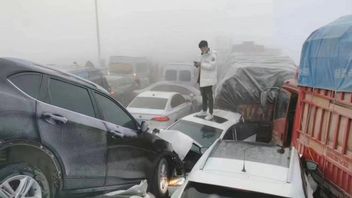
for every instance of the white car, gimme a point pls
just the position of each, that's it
(189, 92)
(198, 134)
(245, 169)
(159, 109)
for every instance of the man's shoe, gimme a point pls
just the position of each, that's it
(202, 113)
(209, 117)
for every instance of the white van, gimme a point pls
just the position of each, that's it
(184, 73)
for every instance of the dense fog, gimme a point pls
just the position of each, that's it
(63, 32)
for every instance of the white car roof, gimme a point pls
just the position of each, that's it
(266, 170)
(157, 94)
(231, 119)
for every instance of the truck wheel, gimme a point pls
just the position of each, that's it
(20, 180)
(159, 181)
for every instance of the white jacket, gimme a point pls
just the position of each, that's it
(208, 69)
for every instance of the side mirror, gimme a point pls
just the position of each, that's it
(311, 166)
(241, 120)
(203, 149)
(144, 127)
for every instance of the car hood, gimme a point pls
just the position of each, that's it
(181, 143)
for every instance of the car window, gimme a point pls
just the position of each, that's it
(71, 97)
(171, 75)
(282, 105)
(177, 100)
(114, 113)
(185, 76)
(203, 134)
(172, 88)
(148, 103)
(28, 83)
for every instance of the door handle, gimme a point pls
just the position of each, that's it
(116, 133)
(50, 117)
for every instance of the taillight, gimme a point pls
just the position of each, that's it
(161, 119)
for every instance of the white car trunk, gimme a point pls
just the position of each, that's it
(147, 115)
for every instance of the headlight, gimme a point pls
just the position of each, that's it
(177, 181)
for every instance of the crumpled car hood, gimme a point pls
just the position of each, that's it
(180, 142)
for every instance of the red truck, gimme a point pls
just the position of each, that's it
(312, 113)
(315, 115)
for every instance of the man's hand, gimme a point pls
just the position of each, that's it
(196, 64)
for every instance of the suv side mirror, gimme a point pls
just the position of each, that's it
(144, 127)
(311, 166)
(241, 120)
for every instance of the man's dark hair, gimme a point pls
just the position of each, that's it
(203, 43)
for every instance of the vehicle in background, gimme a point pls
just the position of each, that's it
(315, 115)
(159, 109)
(183, 73)
(244, 169)
(122, 88)
(139, 69)
(188, 92)
(89, 72)
(63, 135)
(251, 90)
(203, 133)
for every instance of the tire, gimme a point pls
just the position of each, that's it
(159, 179)
(14, 176)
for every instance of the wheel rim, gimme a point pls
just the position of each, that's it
(20, 186)
(163, 177)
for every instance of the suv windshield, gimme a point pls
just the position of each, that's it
(198, 190)
(203, 134)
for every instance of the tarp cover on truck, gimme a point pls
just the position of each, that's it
(326, 59)
(247, 85)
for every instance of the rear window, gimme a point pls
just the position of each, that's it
(148, 103)
(172, 88)
(171, 75)
(185, 76)
(199, 190)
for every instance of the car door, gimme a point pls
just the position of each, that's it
(67, 124)
(128, 154)
(179, 107)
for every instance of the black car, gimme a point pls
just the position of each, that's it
(62, 136)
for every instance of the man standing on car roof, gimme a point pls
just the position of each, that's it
(207, 78)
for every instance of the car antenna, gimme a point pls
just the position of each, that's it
(244, 161)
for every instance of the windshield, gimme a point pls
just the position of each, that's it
(204, 135)
(198, 190)
(171, 75)
(148, 103)
(185, 76)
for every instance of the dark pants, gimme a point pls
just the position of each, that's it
(207, 97)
